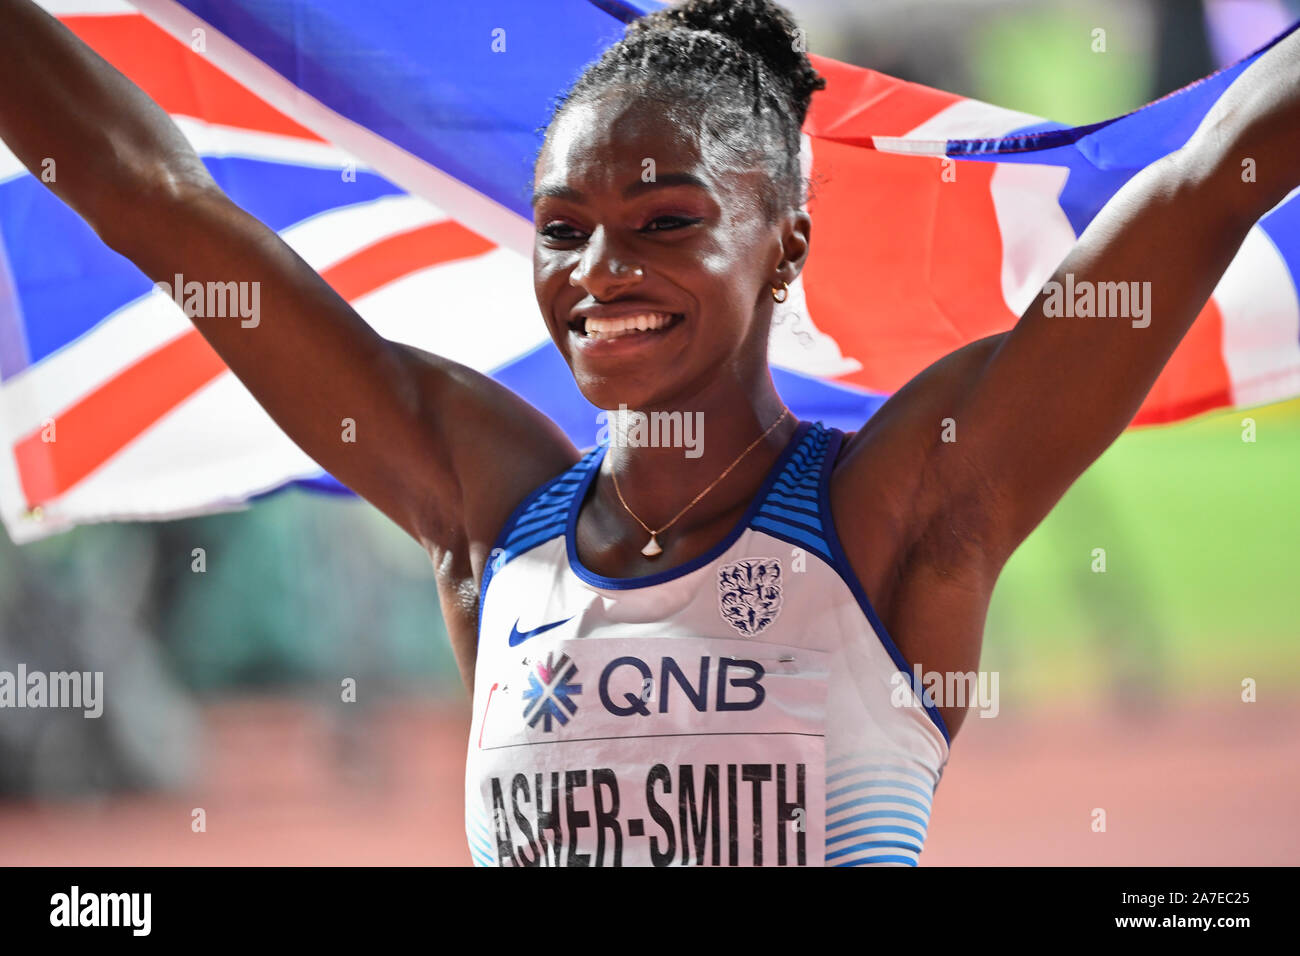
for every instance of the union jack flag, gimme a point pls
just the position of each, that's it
(391, 144)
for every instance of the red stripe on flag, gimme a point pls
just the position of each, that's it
(97, 427)
(106, 420)
(178, 79)
(884, 227)
(1196, 379)
(399, 255)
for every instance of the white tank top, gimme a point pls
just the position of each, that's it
(745, 708)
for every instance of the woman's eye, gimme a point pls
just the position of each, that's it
(665, 223)
(560, 231)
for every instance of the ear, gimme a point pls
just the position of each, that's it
(796, 236)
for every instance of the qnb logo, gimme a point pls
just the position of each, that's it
(550, 691)
(737, 686)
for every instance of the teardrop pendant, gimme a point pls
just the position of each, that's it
(652, 549)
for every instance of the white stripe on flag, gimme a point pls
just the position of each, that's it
(965, 119)
(336, 234)
(481, 312)
(1261, 323)
(211, 140)
(87, 8)
(971, 119)
(1036, 235)
(216, 140)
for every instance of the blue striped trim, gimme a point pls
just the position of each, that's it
(544, 515)
(792, 508)
(869, 787)
(876, 844)
(880, 815)
(801, 495)
(797, 481)
(863, 801)
(907, 860)
(538, 518)
(868, 831)
(802, 518)
(891, 784)
(479, 844)
(479, 856)
(798, 503)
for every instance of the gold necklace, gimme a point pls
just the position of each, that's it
(652, 549)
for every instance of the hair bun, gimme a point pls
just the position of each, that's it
(762, 28)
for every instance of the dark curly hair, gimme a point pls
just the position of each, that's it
(734, 71)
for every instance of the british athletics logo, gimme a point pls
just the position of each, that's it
(550, 692)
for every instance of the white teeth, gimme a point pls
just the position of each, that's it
(609, 328)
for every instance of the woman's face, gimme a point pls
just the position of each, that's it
(633, 223)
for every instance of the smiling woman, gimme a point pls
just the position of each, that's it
(704, 654)
(668, 187)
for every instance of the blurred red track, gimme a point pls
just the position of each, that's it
(282, 786)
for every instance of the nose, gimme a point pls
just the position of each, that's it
(603, 270)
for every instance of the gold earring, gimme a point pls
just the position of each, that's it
(779, 295)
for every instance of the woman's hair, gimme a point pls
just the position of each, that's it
(733, 71)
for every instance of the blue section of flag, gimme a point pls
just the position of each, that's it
(63, 275)
(68, 281)
(1282, 226)
(467, 87)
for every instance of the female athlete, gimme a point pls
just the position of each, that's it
(682, 658)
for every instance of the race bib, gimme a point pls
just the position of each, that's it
(655, 752)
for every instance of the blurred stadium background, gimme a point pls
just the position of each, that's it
(1119, 691)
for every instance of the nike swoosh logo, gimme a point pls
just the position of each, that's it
(517, 637)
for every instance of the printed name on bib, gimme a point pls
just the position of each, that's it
(719, 814)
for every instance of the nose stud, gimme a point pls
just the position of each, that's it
(636, 271)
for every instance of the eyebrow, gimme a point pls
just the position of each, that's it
(561, 191)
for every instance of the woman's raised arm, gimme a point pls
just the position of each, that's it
(429, 436)
(1059, 387)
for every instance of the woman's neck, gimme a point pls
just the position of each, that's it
(663, 457)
